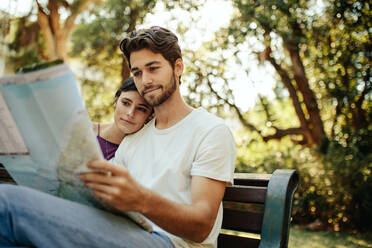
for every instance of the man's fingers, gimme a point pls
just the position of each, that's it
(107, 166)
(107, 189)
(103, 196)
(95, 177)
(104, 179)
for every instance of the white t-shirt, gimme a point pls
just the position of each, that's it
(165, 160)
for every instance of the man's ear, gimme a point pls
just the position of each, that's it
(178, 67)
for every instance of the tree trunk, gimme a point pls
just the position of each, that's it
(57, 33)
(315, 121)
(125, 71)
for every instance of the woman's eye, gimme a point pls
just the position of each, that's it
(125, 103)
(137, 73)
(142, 110)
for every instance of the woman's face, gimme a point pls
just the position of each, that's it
(131, 112)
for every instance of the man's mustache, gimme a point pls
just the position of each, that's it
(150, 88)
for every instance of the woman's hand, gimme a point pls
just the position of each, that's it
(115, 186)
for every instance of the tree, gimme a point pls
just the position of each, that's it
(55, 28)
(322, 61)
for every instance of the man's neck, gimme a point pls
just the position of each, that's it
(171, 111)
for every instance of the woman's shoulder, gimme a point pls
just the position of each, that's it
(95, 127)
(99, 127)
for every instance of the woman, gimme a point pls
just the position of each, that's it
(131, 113)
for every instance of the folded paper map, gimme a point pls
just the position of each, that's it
(46, 137)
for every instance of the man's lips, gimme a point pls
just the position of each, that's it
(148, 90)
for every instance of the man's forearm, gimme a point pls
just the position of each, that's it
(192, 222)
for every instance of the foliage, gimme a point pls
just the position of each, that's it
(334, 186)
(299, 238)
(333, 47)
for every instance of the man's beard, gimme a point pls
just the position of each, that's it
(169, 88)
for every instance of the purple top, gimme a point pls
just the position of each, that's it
(108, 148)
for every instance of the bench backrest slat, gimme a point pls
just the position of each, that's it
(4, 175)
(232, 241)
(258, 204)
(242, 220)
(247, 194)
(252, 179)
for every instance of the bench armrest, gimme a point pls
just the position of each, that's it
(278, 207)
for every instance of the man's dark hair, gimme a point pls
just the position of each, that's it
(156, 39)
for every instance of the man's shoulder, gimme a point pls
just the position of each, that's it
(207, 119)
(140, 133)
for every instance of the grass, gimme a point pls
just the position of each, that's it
(299, 238)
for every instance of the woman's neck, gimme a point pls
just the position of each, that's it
(111, 133)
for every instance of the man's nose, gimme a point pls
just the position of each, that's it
(146, 78)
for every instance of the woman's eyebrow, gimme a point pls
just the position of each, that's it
(127, 99)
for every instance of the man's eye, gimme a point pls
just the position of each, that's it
(153, 68)
(125, 103)
(137, 73)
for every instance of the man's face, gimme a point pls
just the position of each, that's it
(154, 76)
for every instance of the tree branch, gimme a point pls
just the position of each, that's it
(43, 20)
(280, 133)
(317, 129)
(76, 9)
(293, 94)
(233, 106)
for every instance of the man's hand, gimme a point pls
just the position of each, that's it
(115, 185)
(192, 221)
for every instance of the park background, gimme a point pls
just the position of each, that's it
(292, 78)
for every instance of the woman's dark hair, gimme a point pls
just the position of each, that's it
(157, 39)
(127, 85)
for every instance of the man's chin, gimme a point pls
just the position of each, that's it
(151, 100)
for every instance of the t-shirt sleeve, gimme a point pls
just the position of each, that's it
(119, 158)
(216, 156)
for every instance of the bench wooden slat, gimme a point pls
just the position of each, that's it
(4, 175)
(271, 192)
(252, 179)
(242, 220)
(226, 240)
(248, 194)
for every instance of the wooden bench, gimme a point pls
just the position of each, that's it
(257, 210)
(4, 176)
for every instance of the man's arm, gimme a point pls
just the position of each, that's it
(193, 221)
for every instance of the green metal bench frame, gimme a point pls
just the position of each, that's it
(263, 204)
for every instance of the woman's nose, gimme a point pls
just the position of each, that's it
(131, 111)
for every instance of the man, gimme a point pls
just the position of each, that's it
(174, 171)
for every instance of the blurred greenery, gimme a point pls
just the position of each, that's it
(299, 238)
(319, 122)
